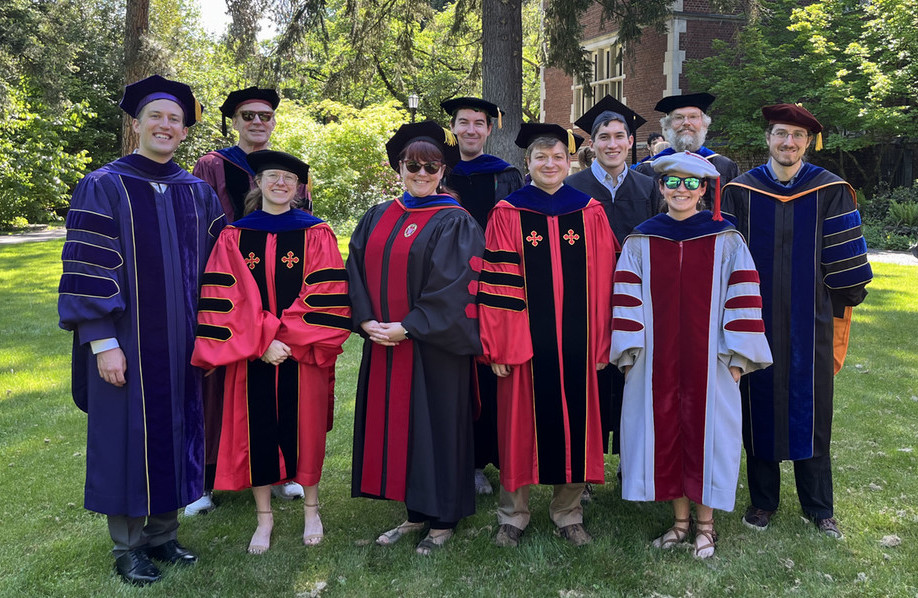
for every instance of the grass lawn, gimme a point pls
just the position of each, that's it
(51, 546)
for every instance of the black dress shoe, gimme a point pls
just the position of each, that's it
(172, 552)
(135, 567)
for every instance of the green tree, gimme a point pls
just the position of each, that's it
(37, 170)
(363, 53)
(848, 62)
(345, 149)
(180, 48)
(744, 74)
(59, 62)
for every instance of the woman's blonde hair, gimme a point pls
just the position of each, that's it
(253, 198)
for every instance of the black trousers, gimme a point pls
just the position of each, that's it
(418, 517)
(210, 475)
(813, 478)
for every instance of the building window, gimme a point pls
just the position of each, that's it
(608, 77)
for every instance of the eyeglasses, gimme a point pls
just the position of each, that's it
(797, 135)
(249, 115)
(431, 167)
(678, 119)
(673, 182)
(288, 178)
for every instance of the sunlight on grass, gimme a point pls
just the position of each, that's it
(53, 547)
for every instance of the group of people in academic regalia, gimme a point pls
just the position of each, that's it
(490, 311)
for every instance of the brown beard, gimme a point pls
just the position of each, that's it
(786, 163)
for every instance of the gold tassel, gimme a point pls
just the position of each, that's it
(818, 145)
(309, 182)
(449, 137)
(500, 122)
(571, 142)
(198, 110)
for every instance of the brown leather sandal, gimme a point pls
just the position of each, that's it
(674, 535)
(433, 541)
(710, 537)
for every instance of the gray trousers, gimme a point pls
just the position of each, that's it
(129, 533)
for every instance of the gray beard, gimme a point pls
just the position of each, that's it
(685, 142)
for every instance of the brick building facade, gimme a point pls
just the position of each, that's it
(653, 70)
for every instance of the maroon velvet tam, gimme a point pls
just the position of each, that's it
(792, 114)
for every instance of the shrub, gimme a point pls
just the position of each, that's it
(876, 208)
(874, 236)
(903, 214)
(890, 218)
(346, 156)
(896, 242)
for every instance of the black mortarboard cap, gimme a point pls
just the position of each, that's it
(702, 101)
(427, 130)
(529, 132)
(608, 109)
(454, 105)
(140, 93)
(271, 160)
(241, 96)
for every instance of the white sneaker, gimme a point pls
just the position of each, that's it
(287, 491)
(203, 505)
(482, 485)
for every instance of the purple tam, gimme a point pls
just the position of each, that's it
(140, 93)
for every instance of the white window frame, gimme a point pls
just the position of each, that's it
(600, 52)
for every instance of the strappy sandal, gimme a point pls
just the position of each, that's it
(674, 535)
(710, 537)
(257, 546)
(433, 542)
(395, 534)
(313, 539)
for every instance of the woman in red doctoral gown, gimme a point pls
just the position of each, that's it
(274, 310)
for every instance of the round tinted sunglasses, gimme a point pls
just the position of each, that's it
(431, 167)
(673, 182)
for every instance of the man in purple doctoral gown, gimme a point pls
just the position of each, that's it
(139, 232)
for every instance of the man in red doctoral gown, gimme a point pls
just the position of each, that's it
(544, 311)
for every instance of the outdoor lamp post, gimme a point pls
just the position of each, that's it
(413, 104)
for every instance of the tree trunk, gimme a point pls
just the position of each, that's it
(136, 28)
(502, 72)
